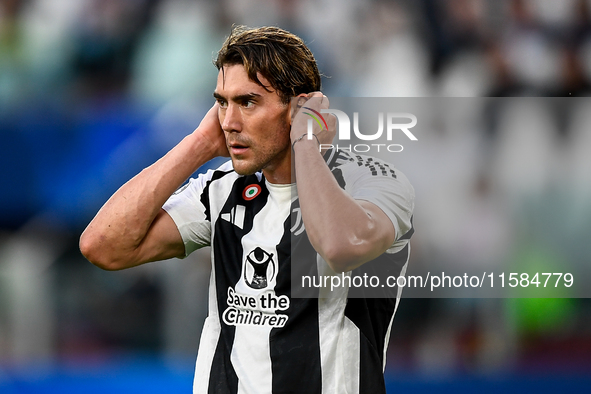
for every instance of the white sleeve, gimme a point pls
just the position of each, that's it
(391, 191)
(188, 211)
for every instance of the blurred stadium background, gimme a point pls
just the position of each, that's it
(92, 91)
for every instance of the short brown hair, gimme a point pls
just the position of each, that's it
(280, 56)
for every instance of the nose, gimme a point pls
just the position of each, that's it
(232, 119)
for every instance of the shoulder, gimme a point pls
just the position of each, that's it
(203, 180)
(355, 167)
(208, 191)
(224, 170)
(376, 180)
(219, 183)
(349, 160)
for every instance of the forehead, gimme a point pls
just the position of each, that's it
(233, 81)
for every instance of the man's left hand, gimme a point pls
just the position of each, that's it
(309, 106)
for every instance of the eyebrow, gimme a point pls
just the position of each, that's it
(239, 98)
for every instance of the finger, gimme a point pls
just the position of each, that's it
(296, 104)
(316, 100)
(331, 119)
(317, 96)
(320, 99)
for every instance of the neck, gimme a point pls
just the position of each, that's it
(282, 173)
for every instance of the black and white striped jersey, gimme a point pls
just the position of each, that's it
(260, 336)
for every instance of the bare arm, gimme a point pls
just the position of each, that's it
(132, 228)
(345, 232)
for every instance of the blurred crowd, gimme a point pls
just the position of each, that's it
(160, 49)
(91, 91)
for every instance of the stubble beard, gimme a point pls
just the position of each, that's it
(265, 159)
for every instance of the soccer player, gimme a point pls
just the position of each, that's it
(355, 218)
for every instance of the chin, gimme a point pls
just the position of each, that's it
(244, 168)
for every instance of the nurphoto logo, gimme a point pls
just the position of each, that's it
(395, 123)
(316, 119)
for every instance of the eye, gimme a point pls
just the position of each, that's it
(248, 104)
(222, 103)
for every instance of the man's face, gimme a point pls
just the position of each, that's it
(256, 125)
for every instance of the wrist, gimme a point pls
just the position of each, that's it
(197, 150)
(201, 142)
(305, 139)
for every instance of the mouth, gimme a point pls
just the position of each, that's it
(237, 148)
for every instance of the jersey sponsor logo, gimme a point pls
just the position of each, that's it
(259, 269)
(255, 310)
(251, 191)
(235, 216)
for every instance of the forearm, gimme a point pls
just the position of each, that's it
(122, 223)
(339, 227)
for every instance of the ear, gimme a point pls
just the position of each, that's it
(296, 103)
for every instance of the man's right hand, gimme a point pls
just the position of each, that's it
(211, 133)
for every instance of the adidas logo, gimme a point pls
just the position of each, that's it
(235, 216)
